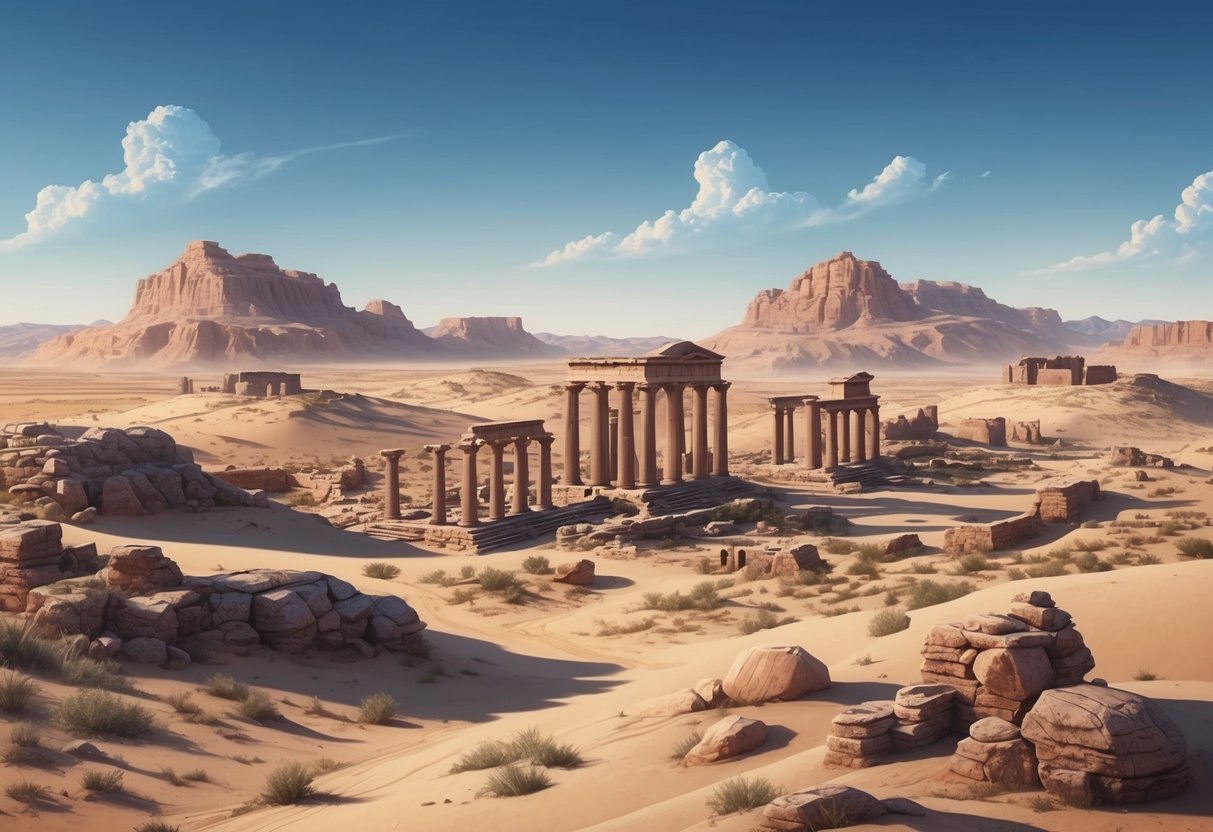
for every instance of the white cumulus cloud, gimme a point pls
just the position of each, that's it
(734, 200)
(172, 153)
(1159, 236)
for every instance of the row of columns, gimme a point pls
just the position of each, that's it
(618, 451)
(834, 434)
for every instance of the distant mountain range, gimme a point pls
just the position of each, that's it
(20, 339)
(1106, 330)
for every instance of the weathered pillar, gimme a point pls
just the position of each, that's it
(545, 470)
(599, 440)
(874, 433)
(497, 480)
(572, 433)
(469, 502)
(625, 464)
(831, 439)
(673, 434)
(812, 449)
(522, 476)
(777, 437)
(438, 510)
(720, 441)
(699, 432)
(859, 418)
(613, 443)
(648, 435)
(391, 483)
(844, 435)
(789, 436)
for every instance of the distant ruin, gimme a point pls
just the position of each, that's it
(849, 431)
(1058, 371)
(262, 384)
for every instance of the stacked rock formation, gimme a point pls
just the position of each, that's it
(865, 734)
(994, 752)
(1098, 745)
(31, 555)
(999, 664)
(288, 610)
(128, 472)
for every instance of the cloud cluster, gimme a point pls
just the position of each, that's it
(734, 200)
(171, 154)
(1158, 236)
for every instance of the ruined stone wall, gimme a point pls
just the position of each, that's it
(1100, 374)
(962, 540)
(271, 480)
(986, 431)
(1064, 504)
(1055, 378)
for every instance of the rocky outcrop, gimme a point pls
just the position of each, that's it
(730, 737)
(830, 807)
(1100, 745)
(211, 306)
(577, 573)
(769, 674)
(1180, 334)
(846, 311)
(490, 337)
(865, 734)
(994, 752)
(1128, 457)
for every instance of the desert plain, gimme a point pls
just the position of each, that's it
(583, 664)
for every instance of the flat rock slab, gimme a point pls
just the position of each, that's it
(993, 729)
(993, 624)
(822, 807)
(728, 738)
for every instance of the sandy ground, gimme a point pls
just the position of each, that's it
(497, 668)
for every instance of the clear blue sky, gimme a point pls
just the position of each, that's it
(1035, 133)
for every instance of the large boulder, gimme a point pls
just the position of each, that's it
(577, 573)
(1099, 745)
(284, 620)
(766, 674)
(728, 738)
(137, 568)
(1017, 674)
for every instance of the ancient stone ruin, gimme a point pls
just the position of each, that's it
(149, 612)
(1061, 370)
(128, 472)
(922, 426)
(262, 384)
(842, 429)
(185, 386)
(1053, 504)
(1129, 457)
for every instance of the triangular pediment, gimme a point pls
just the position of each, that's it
(686, 351)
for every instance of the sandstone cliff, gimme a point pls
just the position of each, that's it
(490, 337)
(846, 311)
(210, 306)
(1189, 342)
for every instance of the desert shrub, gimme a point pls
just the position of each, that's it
(888, 621)
(703, 596)
(377, 709)
(752, 572)
(514, 780)
(923, 567)
(537, 565)
(438, 576)
(704, 566)
(1090, 562)
(289, 783)
(834, 546)
(496, 580)
(515, 594)
(20, 649)
(182, 701)
(1016, 575)
(378, 569)
(26, 792)
(467, 572)
(1144, 675)
(1048, 569)
(196, 775)
(258, 707)
(84, 672)
(25, 735)
(969, 564)
(871, 553)
(96, 780)
(864, 568)
(94, 711)
(16, 692)
(643, 624)
(763, 620)
(485, 755)
(225, 687)
(544, 751)
(930, 593)
(1147, 559)
(1092, 544)
(749, 512)
(1041, 803)
(157, 826)
(864, 660)
(680, 749)
(462, 595)
(739, 794)
(1195, 547)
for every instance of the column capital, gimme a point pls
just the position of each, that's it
(598, 386)
(546, 440)
(675, 386)
(520, 441)
(392, 453)
(810, 400)
(625, 385)
(497, 445)
(575, 386)
(435, 449)
(720, 385)
(470, 445)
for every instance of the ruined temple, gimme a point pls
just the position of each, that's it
(1058, 371)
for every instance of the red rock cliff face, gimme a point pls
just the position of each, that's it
(833, 295)
(1195, 334)
(491, 336)
(211, 307)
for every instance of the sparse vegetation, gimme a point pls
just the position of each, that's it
(528, 745)
(182, 701)
(16, 692)
(513, 780)
(685, 744)
(739, 794)
(97, 780)
(834, 546)
(929, 593)
(225, 687)
(377, 709)
(92, 711)
(384, 571)
(703, 596)
(888, 621)
(289, 783)
(1041, 803)
(537, 565)
(763, 620)
(970, 564)
(258, 707)
(1048, 569)
(1195, 547)
(496, 580)
(605, 629)
(26, 792)
(1145, 675)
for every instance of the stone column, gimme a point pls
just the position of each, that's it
(572, 433)
(831, 439)
(777, 437)
(469, 501)
(699, 432)
(874, 433)
(391, 483)
(497, 480)
(599, 440)
(673, 434)
(812, 447)
(613, 444)
(626, 460)
(545, 470)
(720, 439)
(522, 476)
(648, 435)
(438, 510)
(859, 418)
(844, 435)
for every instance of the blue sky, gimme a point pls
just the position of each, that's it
(1009, 147)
